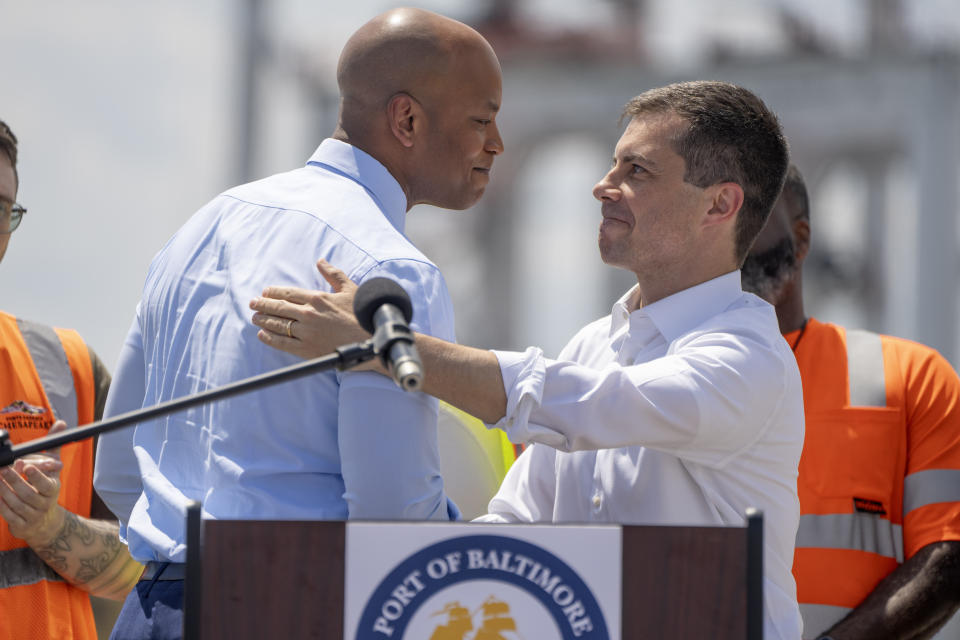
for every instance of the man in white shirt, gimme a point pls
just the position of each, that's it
(419, 97)
(684, 405)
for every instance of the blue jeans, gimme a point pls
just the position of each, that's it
(152, 611)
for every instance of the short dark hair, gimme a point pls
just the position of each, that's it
(8, 145)
(731, 137)
(794, 194)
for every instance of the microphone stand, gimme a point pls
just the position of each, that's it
(343, 358)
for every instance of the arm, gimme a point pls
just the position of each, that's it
(465, 377)
(387, 438)
(911, 603)
(389, 457)
(468, 378)
(385, 428)
(687, 401)
(85, 552)
(116, 475)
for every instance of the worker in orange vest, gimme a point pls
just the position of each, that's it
(878, 548)
(54, 549)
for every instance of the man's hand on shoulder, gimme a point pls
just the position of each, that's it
(309, 324)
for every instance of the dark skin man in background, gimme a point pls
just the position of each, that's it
(878, 548)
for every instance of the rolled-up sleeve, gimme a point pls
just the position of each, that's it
(692, 402)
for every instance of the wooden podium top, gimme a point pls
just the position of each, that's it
(285, 579)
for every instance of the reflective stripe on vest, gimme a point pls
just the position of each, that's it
(50, 361)
(868, 385)
(22, 566)
(857, 531)
(817, 618)
(929, 487)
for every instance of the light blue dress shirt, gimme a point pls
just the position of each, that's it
(330, 446)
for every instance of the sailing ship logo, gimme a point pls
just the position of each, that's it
(482, 587)
(496, 623)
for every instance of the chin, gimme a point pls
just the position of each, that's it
(470, 200)
(607, 255)
(610, 249)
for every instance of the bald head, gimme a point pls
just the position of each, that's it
(420, 93)
(403, 50)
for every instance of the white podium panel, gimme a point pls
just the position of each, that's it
(465, 581)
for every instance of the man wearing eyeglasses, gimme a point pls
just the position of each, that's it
(58, 541)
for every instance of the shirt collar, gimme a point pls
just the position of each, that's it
(368, 172)
(677, 314)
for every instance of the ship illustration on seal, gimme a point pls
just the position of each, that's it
(495, 622)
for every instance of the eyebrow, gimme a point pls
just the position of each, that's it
(634, 157)
(493, 106)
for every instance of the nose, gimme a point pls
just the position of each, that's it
(494, 143)
(605, 189)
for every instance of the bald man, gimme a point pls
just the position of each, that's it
(419, 99)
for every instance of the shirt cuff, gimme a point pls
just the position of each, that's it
(523, 376)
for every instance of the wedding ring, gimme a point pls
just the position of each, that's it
(290, 327)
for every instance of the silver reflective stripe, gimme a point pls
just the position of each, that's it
(20, 567)
(857, 531)
(817, 618)
(50, 360)
(868, 386)
(929, 487)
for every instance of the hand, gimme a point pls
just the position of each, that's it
(307, 323)
(29, 489)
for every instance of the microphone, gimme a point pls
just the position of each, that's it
(383, 308)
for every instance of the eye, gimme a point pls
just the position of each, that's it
(636, 169)
(483, 122)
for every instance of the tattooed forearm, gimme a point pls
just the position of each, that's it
(56, 552)
(88, 553)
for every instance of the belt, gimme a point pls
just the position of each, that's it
(164, 571)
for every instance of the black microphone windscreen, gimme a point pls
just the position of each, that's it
(374, 293)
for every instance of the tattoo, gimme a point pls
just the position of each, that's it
(92, 567)
(91, 549)
(54, 553)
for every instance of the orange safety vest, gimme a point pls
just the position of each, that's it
(880, 471)
(44, 373)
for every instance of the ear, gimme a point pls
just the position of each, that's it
(801, 238)
(403, 115)
(726, 198)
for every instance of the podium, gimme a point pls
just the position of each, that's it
(285, 579)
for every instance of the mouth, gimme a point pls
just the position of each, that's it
(482, 170)
(610, 219)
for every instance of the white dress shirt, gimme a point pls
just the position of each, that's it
(685, 412)
(330, 446)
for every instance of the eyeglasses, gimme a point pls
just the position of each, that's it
(10, 216)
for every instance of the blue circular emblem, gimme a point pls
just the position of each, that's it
(482, 557)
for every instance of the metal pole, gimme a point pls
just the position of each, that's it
(191, 585)
(754, 574)
(342, 358)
